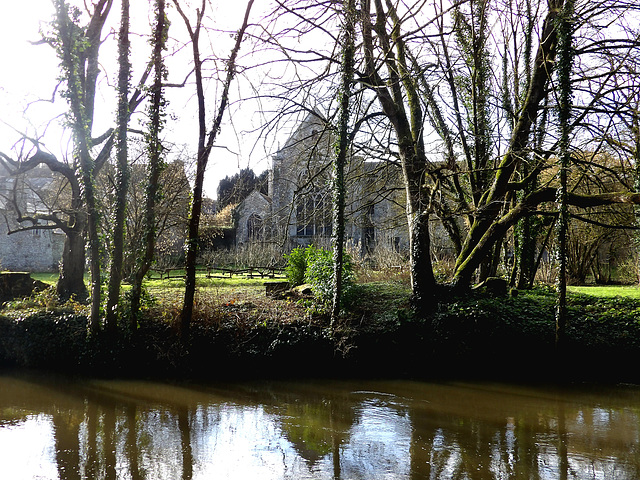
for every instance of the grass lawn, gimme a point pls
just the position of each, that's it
(156, 284)
(225, 289)
(216, 298)
(608, 291)
(46, 277)
(245, 295)
(239, 285)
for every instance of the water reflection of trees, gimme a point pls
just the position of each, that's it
(316, 423)
(443, 432)
(66, 426)
(552, 442)
(316, 430)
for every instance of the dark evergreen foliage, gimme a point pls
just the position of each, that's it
(235, 188)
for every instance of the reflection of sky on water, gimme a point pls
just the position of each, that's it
(241, 442)
(379, 443)
(27, 449)
(301, 434)
(246, 442)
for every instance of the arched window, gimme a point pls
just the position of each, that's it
(313, 214)
(255, 227)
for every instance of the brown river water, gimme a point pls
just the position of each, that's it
(58, 428)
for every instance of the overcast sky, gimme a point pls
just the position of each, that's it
(28, 75)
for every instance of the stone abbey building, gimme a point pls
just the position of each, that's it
(297, 209)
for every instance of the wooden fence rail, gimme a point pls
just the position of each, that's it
(220, 272)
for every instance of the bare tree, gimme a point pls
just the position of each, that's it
(78, 48)
(205, 144)
(170, 214)
(384, 47)
(479, 77)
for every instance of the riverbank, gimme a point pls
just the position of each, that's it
(506, 337)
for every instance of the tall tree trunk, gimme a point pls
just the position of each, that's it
(93, 219)
(526, 232)
(635, 131)
(122, 183)
(408, 127)
(205, 144)
(565, 61)
(71, 282)
(79, 55)
(154, 148)
(348, 52)
(423, 282)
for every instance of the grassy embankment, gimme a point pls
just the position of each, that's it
(237, 328)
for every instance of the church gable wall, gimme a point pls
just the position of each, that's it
(253, 218)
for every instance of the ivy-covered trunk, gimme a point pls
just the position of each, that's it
(122, 181)
(564, 68)
(154, 149)
(93, 217)
(486, 228)
(78, 51)
(635, 130)
(423, 283)
(348, 52)
(400, 89)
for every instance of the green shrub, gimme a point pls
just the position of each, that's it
(319, 274)
(297, 265)
(314, 266)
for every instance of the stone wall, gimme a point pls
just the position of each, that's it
(30, 251)
(38, 250)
